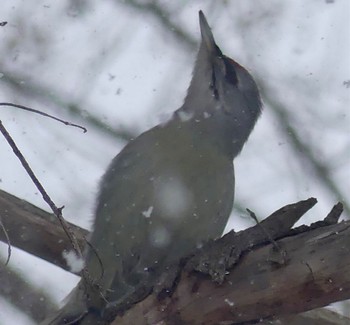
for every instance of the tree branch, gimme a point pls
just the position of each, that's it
(30, 300)
(35, 230)
(317, 273)
(252, 280)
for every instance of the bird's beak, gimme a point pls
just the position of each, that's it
(207, 36)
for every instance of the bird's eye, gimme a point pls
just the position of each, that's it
(230, 74)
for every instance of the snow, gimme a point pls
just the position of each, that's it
(147, 213)
(75, 263)
(185, 116)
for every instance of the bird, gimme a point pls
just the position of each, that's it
(170, 189)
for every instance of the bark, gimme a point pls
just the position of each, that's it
(35, 230)
(316, 274)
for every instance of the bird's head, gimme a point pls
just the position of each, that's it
(221, 89)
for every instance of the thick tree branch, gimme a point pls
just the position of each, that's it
(310, 270)
(317, 273)
(35, 230)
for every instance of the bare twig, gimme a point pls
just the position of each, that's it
(57, 211)
(272, 241)
(98, 258)
(43, 114)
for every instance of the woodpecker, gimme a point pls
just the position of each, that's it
(170, 189)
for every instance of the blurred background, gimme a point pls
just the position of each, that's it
(121, 67)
